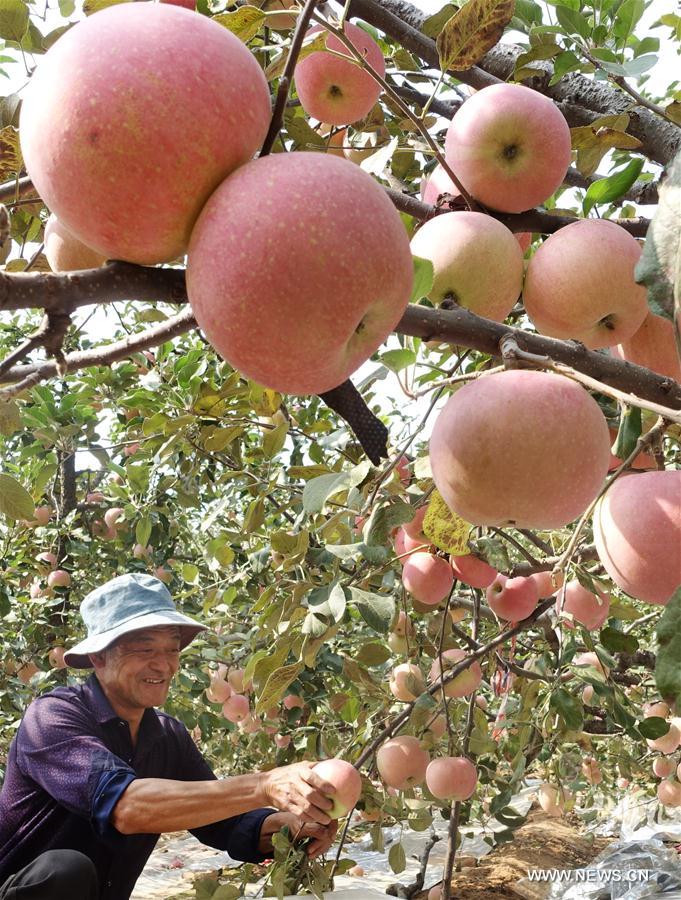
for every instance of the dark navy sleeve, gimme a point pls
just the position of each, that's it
(238, 835)
(59, 751)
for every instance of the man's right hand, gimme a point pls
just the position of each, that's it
(297, 789)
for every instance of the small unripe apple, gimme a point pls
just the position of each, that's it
(65, 253)
(347, 783)
(235, 708)
(111, 516)
(58, 578)
(36, 591)
(397, 643)
(250, 724)
(141, 552)
(94, 497)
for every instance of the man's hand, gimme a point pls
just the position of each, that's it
(322, 835)
(296, 789)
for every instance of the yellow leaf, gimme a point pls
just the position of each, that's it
(277, 66)
(472, 31)
(11, 161)
(276, 686)
(444, 528)
(244, 22)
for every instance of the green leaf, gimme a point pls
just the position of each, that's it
(617, 642)
(318, 491)
(15, 500)
(143, 530)
(627, 16)
(606, 190)
(628, 433)
(277, 66)
(668, 663)
(434, 24)
(385, 517)
(377, 610)
(244, 22)
(92, 6)
(423, 278)
(659, 267)
(396, 360)
(13, 19)
(10, 418)
(397, 859)
(640, 64)
(373, 654)
(568, 707)
(573, 21)
(653, 727)
(276, 686)
(471, 32)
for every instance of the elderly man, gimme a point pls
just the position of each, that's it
(95, 773)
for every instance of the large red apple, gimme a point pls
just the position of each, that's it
(477, 263)
(580, 285)
(509, 146)
(126, 129)
(428, 578)
(451, 778)
(512, 599)
(406, 682)
(401, 762)
(65, 253)
(339, 91)
(652, 346)
(520, 447)
(637, 532)
(347, 782)
(587, 608)
(299, 267)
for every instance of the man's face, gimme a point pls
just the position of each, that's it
(138, 668)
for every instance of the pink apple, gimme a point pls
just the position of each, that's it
(547, 583)
(464, 683)
(330, 220)
(637, 532)
(663, 766)
(47, 559)
(401, 762)
(472, 570)
(451, 778)
(111, 516)
(148, 139)
(668, 743)
(669, 793)
(591, 659)
(235, 708)
(652, 346)
(512, 599)
(335, 90)
(477, 263)
(436, 184)
(552, 799)
(414, 528)
(347, 782)
(659, 709)
(580, 285)
(282, 740)
(356, 871)
(546, 450)
(509, 146)
(56, 658)
(291, 701)
(58, 578)
(65, 253)
(218, 691)
(428, 578)
(406, 682)
(587, 608)
(587, 694)
(592, 771)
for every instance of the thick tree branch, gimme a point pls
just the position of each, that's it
(581, 99)
(532, 220)
(464, 328)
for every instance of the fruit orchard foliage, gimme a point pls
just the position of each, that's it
(270, 525)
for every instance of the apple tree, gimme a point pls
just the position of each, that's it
(381, 376)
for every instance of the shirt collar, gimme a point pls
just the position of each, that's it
(98, 702)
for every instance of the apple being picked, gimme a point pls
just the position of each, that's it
(509, 146)
(580, 285)
(347, 782)
(477, 263)
(322, 262)
(336, 90)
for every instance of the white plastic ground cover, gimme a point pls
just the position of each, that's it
(638, 817)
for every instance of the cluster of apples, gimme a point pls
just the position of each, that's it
(403, 763)
(301, 253)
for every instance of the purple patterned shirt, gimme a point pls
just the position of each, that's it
(68, 765)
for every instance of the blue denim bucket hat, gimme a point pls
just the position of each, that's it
(127, 603)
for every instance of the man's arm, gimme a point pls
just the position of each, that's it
(157, 805)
